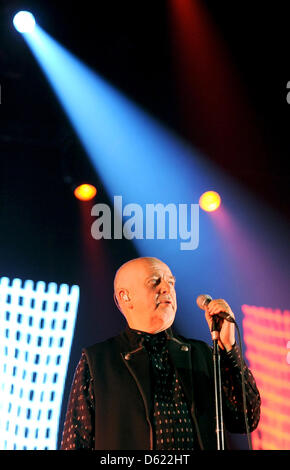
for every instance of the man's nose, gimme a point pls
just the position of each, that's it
(164, 286)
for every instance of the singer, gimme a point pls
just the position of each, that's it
(148, 388)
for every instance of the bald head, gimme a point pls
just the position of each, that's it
(144, 292)
(127, 271)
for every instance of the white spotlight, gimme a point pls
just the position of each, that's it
(24, 22)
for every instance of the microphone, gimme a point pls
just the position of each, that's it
(204, 299)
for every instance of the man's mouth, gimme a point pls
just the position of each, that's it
(164, 301)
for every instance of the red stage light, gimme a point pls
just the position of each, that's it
(210, 201)
(85, 192)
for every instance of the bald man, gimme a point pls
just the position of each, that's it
(144, 292)
(149, 389)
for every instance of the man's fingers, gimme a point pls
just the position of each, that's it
(215, 310)
(217, 306)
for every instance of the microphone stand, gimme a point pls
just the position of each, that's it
(217, 387)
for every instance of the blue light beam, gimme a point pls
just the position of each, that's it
(134, 154)
(140, 160)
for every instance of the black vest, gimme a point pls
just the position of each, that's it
(119, 367)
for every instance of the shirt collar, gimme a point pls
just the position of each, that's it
(136, 337)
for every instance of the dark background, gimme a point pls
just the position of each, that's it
(129, 44)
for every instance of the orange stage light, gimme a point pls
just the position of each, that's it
(85, 192)
(210, 201)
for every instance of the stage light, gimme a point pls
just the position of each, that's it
(136, 157)
(210, 201)
(85, 192)
(24, 22)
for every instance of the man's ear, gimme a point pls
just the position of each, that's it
(123, 295)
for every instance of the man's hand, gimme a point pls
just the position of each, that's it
(226, 328)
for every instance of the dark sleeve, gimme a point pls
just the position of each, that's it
(232, 393)
(78, 432)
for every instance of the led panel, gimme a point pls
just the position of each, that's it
(37, 322)
(267, 335)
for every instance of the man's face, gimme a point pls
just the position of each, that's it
(151, 288)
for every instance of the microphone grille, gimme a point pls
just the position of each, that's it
(202, 300)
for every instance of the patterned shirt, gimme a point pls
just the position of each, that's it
(78, 430)
(171, 417)
(170, 406)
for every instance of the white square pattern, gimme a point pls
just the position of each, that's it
(37, 323)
